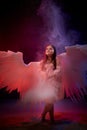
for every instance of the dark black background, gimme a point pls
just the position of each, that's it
(17, 9)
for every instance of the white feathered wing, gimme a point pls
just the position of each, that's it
(74, 71)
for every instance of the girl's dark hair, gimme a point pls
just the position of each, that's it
(53, 58)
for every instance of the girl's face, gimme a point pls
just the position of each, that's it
(49, 50)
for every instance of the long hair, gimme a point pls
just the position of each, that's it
(53, 58)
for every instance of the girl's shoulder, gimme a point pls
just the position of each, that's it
(57, 60)
(41, 62)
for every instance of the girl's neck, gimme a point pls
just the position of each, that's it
(49, 59)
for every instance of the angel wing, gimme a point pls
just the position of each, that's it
(14, 73)
(74, 71)
(32, 83)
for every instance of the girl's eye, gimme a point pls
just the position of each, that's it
(49, 48)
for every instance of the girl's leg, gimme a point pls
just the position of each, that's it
(51, 112)
(49, 107)
(46, 109)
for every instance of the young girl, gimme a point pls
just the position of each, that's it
(50, 66)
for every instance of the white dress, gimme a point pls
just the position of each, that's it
(49, 85)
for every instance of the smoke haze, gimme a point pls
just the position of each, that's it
(55, 29)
